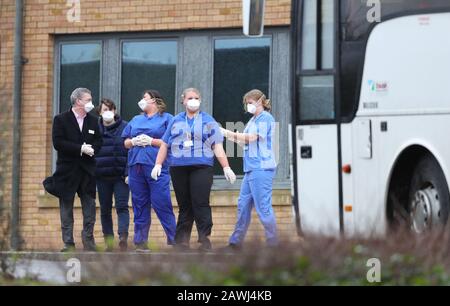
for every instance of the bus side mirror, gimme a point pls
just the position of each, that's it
(253, 17)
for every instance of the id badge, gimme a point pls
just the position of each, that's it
(188, 143)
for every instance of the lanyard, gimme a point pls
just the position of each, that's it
(191, 129)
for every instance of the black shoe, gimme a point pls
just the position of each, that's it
(181, 247)
(205, 246)
(142, 248)
(90, 246)
(68, 248)
(123, 243)
(88, 242)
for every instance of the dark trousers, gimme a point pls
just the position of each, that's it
(106, 188)
(66, 213)
(192, 185)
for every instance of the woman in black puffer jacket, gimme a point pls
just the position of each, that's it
(111, 175)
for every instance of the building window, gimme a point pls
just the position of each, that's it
(147, 65)
(239, 65)
(80, 67)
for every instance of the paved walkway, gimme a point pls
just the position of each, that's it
(54, 267)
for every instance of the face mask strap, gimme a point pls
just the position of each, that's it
(260, 100)
(80, 103)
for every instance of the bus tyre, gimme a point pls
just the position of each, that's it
(428, 196)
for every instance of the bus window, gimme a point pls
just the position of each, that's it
(316, 82)
(352, 56)
(327, 27)
(317, 96)
(309, 40)
(318, 48)
(354, 13)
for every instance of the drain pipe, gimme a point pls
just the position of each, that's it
(16, 240)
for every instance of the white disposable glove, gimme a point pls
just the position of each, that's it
(87, 149)
(229, 175)
(156, 172)
(136, 141)
(224, 132)
(126, 180)
(146, 140)
(141, 141)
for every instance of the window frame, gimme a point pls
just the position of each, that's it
(57, 51)
(143, 39)
(229, 37)
(282, 179)
(57, 71)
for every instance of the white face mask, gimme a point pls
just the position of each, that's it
(108, 116)
(193, 104)
(142, 104)
(251, 108)
(88, 107)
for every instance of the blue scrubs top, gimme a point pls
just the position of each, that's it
(191, 141)
(154, 126)
(260, 155)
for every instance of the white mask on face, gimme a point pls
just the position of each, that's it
(142, 104)
(193, 105)
(108, 116)
(251, 108)
(88, 107)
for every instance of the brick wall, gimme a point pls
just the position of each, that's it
(40, 225)
(223, 203)
(6, 84)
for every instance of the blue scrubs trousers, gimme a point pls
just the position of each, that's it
(146, 193)
(256, 190)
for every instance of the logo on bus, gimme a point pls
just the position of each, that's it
(378, 86)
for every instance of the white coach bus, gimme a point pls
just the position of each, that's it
(371, 115)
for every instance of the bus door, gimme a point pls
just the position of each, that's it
(317, 130)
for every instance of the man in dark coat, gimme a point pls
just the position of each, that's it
(76, 138)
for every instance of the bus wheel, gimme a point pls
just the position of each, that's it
(428, 196)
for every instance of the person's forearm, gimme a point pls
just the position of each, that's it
(157, 143)
(231, 138)
(162, 153)
(241, 137)
(67, 147)
(219, 152)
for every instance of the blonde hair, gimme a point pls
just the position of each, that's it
(183, 95)
(258, 95)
